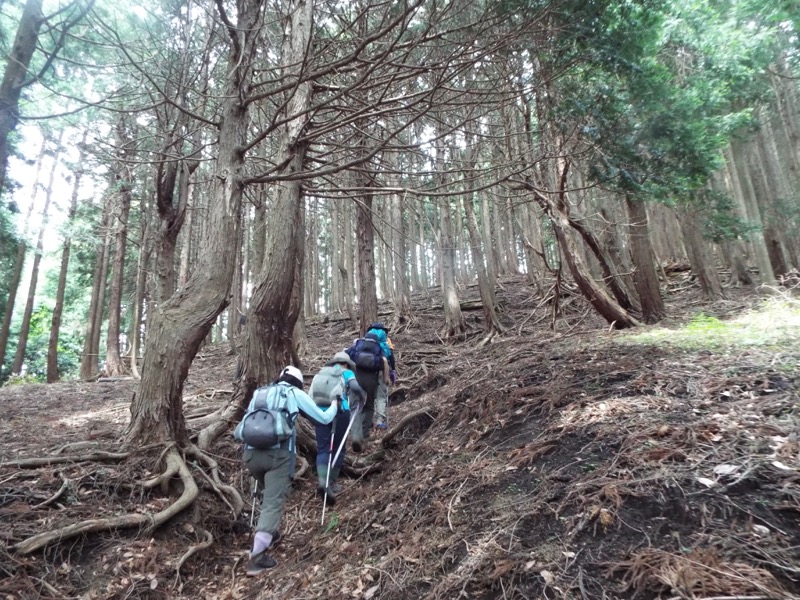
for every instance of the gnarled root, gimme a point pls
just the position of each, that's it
(424, 414)
(174, 462)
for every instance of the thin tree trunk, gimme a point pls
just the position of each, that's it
(58, 309)
(89, 360)
(454, 324)
(24, 330)
(19, 263)
(124, 185)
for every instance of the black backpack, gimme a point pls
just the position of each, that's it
(367, 354)
(269, 422)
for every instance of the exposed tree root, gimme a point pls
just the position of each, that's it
(227, 493)
(64, 487)
(424, 413)
(149, 522)
(208, 539)
(29, 463)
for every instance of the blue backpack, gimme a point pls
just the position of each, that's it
(367, 353)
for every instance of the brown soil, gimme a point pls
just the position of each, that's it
(545, 464)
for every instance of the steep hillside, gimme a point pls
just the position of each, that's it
(568, 463)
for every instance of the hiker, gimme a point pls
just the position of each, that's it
(335, 380)
(382, 395)
(271, 466)
(372, 366)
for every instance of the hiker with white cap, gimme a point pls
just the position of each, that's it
(268, 431)
(335, 380)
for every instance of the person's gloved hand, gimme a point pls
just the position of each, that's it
(344, 405)
(393, 376)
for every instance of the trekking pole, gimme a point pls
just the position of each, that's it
(353, 415)
(253, 506)
(328, 472)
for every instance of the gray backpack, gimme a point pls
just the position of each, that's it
(324, 383)
(268, 422)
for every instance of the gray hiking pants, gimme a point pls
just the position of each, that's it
(362, 422)
(382, 403)
(271, 469)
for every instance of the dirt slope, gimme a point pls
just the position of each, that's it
(574, 463)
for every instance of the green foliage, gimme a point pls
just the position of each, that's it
(8, 254)
(720, 221)
(776, 322)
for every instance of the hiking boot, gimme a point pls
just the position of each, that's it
(260, 562)
(276, 538)
(380, 425)
(358, 446)
(336, 488)
(331, 498)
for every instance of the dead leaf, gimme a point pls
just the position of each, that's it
(548, 577)
(723, 470)
(707, 482)
(371, 592)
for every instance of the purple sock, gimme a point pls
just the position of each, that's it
(262, 541)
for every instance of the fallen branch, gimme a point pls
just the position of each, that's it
(126, 521)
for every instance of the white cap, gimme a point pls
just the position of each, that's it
(293, 372)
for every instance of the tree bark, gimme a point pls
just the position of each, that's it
(645, 277)
(14, 77)
(454, 324)
(749, 206)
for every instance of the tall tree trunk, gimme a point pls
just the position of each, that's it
(645, 277)
(749, 205)
(24, 330)
(89, 359)
(180, 323)
(14, 77)
(124, 185)
(454, 324)
(145, 251)
(58, 309)
(402, 300)
(700, 258)
(367, 296)
(491, 321)
(277, 296)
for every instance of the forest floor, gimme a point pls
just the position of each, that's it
(568, 463)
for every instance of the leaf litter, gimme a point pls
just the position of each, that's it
(558, 464)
